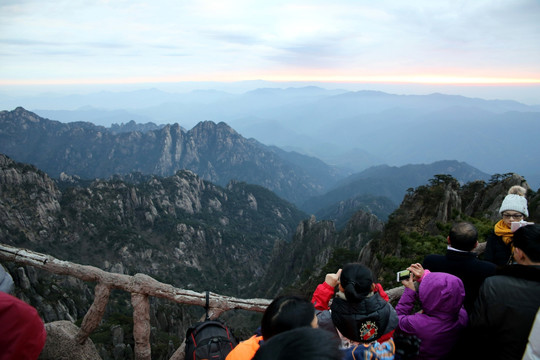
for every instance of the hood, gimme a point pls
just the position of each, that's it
(363, 321)
(441, 293)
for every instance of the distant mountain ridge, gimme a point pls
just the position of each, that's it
(133, 126)
(391, 182)
(215, 152)
(330, 124)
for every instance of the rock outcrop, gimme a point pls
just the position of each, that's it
(61, 343)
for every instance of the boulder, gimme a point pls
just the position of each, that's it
(61, 343)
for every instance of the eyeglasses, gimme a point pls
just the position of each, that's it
(515, 216)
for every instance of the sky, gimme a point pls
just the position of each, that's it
(481, 46)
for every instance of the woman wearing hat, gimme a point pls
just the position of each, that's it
(499, 247)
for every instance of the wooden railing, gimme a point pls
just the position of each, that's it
(140, 286)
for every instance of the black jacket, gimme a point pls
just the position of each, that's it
(505, 310)
(464, 265)
(497, 251)
(353, 319)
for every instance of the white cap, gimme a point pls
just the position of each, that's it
(515, 202)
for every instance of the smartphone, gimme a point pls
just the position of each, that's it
(514, 225)
(402, 275)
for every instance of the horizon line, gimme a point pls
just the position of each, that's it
(414, 79)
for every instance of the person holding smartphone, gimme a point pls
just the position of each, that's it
(358, 315)
(442, 318)
(499, 246)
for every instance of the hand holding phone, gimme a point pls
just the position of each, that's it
(403, 275)
(417, 271)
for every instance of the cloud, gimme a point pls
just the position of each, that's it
(232, 37)
(27, 42)
(257, 38)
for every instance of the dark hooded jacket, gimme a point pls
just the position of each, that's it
(363, 321)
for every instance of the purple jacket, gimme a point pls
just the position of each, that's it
(439, 325)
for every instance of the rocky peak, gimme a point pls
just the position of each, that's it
(36, 199)
(22, 115)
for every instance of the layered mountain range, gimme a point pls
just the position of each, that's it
(206, 208)
(352, 129)
(213, 151)
(239, 240)
(217, 153)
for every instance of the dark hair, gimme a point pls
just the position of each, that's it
(527, 238)
(356, 280)
(303, 343)
(463, 236)
(286, 313)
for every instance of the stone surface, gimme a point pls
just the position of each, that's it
(61, 344)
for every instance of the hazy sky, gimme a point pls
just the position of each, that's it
(493, 42)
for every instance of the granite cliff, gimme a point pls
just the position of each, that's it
(179, 229)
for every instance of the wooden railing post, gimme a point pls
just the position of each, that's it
(141, 326)
(94, 315)
(180, 353)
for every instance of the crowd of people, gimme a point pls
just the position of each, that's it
(454, 306)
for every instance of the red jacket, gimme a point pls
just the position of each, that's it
(22, 333)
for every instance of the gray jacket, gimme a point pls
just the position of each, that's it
(6, 281)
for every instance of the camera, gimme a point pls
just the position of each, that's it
(402, 275)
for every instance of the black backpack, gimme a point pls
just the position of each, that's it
(209, 339)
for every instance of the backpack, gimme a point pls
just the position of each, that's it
(209, 339)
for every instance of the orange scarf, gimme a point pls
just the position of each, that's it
(503, 230)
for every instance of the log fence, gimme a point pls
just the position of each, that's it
(140, 286)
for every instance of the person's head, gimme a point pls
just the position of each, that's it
(463, 236)
(356, 281)
(286, 313)
(441, 293)
(514, 205)
(526, 241)
(302, 343)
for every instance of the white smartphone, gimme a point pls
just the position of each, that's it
(403, 275)
(514, 225)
